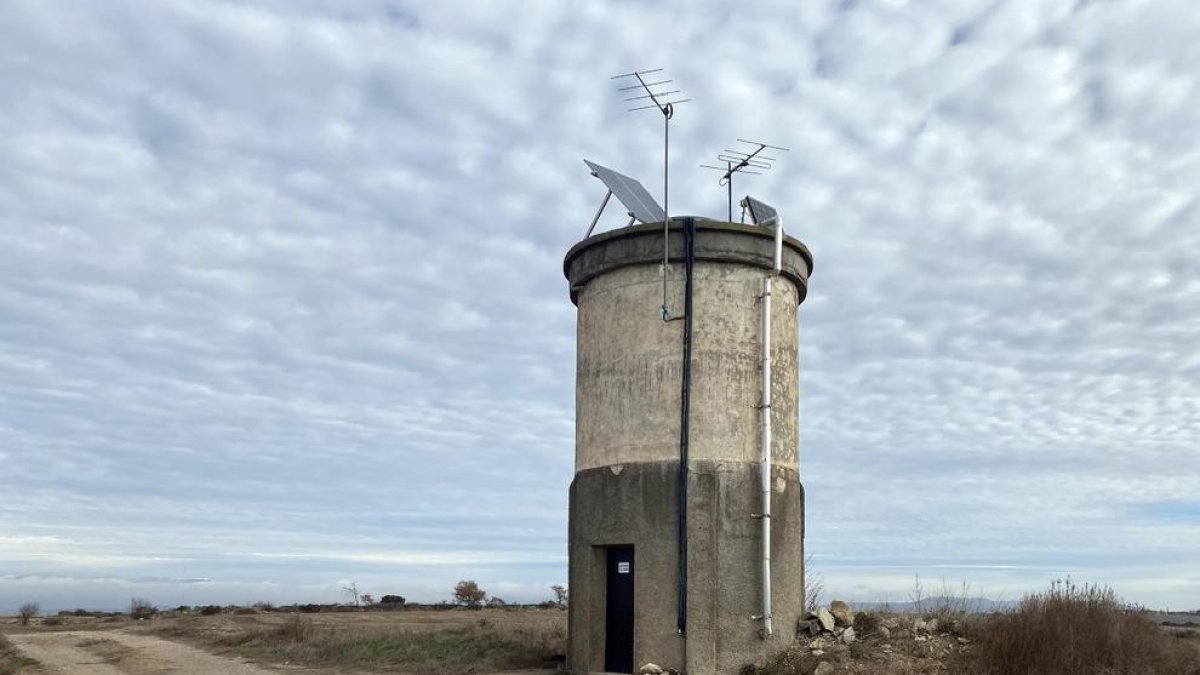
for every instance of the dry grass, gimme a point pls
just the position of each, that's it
(450, 641)
(1067, 630)
(1076, 630)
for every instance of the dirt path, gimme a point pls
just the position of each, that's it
(119, 653)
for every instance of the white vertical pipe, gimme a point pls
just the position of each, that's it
(765, 423)
(765, 464)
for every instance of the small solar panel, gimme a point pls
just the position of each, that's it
(760, 213)
(631, 193)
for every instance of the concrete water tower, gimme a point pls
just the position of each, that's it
(686, 508)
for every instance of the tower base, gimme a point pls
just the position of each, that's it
(624, 567)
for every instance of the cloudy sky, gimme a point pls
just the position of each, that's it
(281, 301)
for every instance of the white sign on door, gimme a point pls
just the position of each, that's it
(622, 568)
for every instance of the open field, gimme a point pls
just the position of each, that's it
(1067, 630)
(413, 641)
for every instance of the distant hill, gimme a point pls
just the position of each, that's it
(929, 605)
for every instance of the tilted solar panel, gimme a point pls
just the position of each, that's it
(631, 193)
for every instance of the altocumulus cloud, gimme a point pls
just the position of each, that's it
(281, 302)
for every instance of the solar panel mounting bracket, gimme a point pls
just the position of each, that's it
(638, 203)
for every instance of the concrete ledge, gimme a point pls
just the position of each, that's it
(716, 241)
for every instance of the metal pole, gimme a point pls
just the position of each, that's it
(729, 185)
(666, 310)
(598, 212)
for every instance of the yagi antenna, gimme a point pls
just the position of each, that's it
(654, 91)
(638, 202)
(737, 161)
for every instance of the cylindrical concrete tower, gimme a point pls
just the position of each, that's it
(626, 556)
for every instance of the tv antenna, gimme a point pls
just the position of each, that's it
(737, 161)
(660, 96)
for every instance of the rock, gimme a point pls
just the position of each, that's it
(837, 631)
(891, 623)
(824, 668)
(919, 626)
(885, 632)
(818, 652)
(826, 619)
(841, 612)
(848, 637)
(650, 669)
(811, 627)
(819, 643)
(931, 625)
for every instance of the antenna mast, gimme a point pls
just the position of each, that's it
(737, 161)
(659, 100)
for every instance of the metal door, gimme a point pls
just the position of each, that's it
(618, 618)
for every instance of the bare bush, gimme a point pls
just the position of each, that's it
(561, 595)
(141, 609)
(954, 601)
(1075, 630)
(916, 597)
(866, 623)
(814, 587)
(28, 611)
(352, 591)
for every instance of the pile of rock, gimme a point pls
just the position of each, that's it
(835, 623)
(825, 638)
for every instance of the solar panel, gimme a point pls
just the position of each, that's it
(631, 193)
(760, 213)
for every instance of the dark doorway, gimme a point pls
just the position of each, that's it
(618, 613)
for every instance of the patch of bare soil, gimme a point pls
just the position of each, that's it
(120, 653)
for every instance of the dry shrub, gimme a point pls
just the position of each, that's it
(814, 586)
(28, 611)
(141, 609)
(866, 623)
(1075, 630)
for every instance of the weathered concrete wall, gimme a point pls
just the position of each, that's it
(627, 443)
(628, 360)
(636, 504)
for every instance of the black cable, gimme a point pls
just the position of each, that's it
(685, 401)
